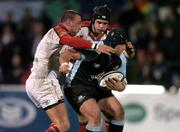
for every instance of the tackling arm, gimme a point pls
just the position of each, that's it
(66, 39)
(84, 44)
(65, 59)
(130, 51)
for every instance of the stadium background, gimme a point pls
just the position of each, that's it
(152, 25)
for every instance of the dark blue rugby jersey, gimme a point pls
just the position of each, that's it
(89, 70)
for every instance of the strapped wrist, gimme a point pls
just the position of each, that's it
(64, 63)
(96, 44)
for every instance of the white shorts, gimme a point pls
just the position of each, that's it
(43, 91)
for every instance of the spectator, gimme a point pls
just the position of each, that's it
(14, 73)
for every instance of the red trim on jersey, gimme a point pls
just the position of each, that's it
(67, 39)
(96, 38)
(85, 23)
(61, 30)
(52, 128)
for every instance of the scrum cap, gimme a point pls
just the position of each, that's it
(115, 37)
(101, 12)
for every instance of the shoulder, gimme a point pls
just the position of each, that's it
(60, 31)
(51, 36)
(84, 31)
(85, 24)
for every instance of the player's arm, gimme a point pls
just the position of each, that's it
(88, 55)
(66, 39)
(84, 44)
(130, 50)
(66, 57)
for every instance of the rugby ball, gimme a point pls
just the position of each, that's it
(111, 74)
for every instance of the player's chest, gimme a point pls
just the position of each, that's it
(106, 63)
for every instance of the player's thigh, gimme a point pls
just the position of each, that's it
(90, 109)
(58, 114)
(78, 94)
(112, 107)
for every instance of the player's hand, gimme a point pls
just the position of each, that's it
(130, 50)
(75, 55)
(106, 49)
(64, 68)
(115, 84)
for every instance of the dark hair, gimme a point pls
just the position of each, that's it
(69, 15)
(101, 12)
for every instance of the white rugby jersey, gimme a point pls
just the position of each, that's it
(48, 46)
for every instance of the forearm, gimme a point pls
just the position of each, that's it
(65, 57)
(68, 55)
(75, 42)
(64, 60)
(89, 55)
(80, 43)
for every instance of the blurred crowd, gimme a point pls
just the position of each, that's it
(152, 26)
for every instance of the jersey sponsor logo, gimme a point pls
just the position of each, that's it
(97, 76)
(16, 112)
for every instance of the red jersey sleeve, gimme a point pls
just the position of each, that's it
(66, 39)
(75, 42)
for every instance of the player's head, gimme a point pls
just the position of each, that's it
(101, 18)
(117, 39)
(72, 20)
